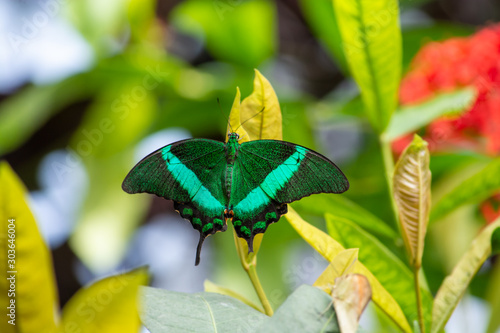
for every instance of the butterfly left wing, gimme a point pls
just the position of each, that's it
(272, 173)
(189, 172)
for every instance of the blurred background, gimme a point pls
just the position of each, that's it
(88, 88)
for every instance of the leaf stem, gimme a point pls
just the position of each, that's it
(419, 299)
(252, 273)
(249, 263)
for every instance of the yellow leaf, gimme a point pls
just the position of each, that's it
(412, 193)
(350, 295)
(235, 119)
(214, 288)
(329, 248)
(340, 265)
(32, 279)
(455, 284)
(260, 113)
(107, 306)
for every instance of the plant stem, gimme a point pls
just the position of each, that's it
(252, 273)
(249, 263)
(419, 299)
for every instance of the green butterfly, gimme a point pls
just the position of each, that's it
(250, 184)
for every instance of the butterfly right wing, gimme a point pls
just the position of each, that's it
(191, 173)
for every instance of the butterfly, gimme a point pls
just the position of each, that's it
(250, 184)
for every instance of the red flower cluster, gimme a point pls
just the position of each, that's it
(446, 66)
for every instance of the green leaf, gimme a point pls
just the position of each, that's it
(329, 248)
(307, 309)
(372, 44)
(472, 190)
(342, 207)
(211, 287)
(225, 28)
(165, 311)
(412, 194)
(35, 296)
(455, 284)
(409, 119)
(493, 297)
(320, 16)
(108, 305)
(380, 260)
(22, 114)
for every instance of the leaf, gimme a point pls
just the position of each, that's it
(454, 285)
(495, 242)
(372, 45)
(108, 305)
(321, 18)
(340, 265)
(475, 189)
(412, 193)
(235, 119)
(35, 296)
(22, 114)
(224, 27)
(350, 295)
(329, 248)
(214, 288)
(342, 207)
(165, 311)
(260, 112)
(307, 309)
(380, 260)
(411, 118)
(493, 297)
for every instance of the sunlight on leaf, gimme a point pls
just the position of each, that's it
(108, 305)
(340, 265)
(260, 112)
(454, 286)
(372, 45)
(211, 287)
(350, 295)
(412, 193)
(472, 190)
(329, 248)
(35, 300)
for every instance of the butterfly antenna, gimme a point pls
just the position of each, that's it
(222, 112)
(255, 115)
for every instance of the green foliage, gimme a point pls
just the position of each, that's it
(372, 45)
(142, 82)
(307, 308)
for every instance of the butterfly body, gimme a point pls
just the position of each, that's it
(249, 184)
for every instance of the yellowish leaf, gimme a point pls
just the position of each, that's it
(351, 294)
(329, 248)
(260, 113)
(28, 286)
(235, 119)
(454, 285)
(412, 192)
(340, 265)
(109, 305)
(214, 288)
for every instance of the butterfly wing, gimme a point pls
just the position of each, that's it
(191, 173)
(272, 173)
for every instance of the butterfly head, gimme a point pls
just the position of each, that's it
(233, 136)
